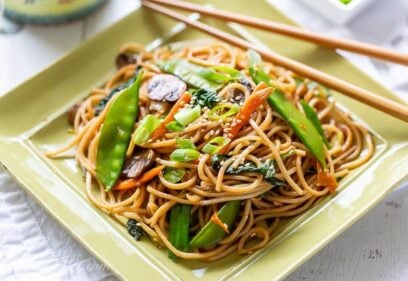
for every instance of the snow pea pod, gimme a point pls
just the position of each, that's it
(301, 125)
(194, 75)
(179, 228)
(212, 233)
(303, 128)
(314, 118)
(115, 134)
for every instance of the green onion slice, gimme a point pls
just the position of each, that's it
(185, 143)
(214, 145)
(214, 113)
(184, 155)
(145, 129)
(188, 115)
(174, 126)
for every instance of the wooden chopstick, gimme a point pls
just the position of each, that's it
(388, 106)
(292, 31)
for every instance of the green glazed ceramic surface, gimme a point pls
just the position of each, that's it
(32, 120)
(48, 11)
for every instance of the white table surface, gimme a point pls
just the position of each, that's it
(34, 247)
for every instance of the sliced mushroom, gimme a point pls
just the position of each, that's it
(138, 163)
(124, 59)
(165, 87)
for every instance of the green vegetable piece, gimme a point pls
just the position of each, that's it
(185, 143)
(302, 127)
(102, 103)
(312, 116)
(214, 145)
(205, 98)
(115, 134)
(134, 229)
(174, 126)
(188, 115)
(179, 228)
(173, 175)
(212, 233)
(145, 129)
(189, 73)
(233, 73)
(215, 112)
(213, 76)
(184, 155)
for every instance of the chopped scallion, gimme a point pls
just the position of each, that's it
(188, 115)
(216, 112)
(184, 155)
(145, 129)
(174, 126)
(214, 145)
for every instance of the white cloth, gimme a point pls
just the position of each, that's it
(33, 246)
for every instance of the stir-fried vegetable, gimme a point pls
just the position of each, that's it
(189, 73)
(233, 73)
(134, 229)
(223, 111)
(205, 98)
(138, 163)
(184, 155)
(267, 168)
(188, 115)
(212, 232)
(145, 129)
(256, 99)
(179, 228)
(215, 145)
(302, 127)
(174, 126)
(161, 129)
(185, 143)
(115, 134)
(312, 116)
(165, 87)
(102, 103)
(220, 74)
(173, 175)
(133, 183)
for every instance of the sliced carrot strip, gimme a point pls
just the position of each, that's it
(256, 99)
(324, 178)
(132, 183)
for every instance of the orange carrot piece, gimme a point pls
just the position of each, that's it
(324, 178)
(256, 99)
(132, 183)
(183, 100)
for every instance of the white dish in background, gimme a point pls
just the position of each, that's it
(335, 11)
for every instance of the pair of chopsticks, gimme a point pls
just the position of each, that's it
(388, 106)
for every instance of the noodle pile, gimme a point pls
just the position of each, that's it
(266, 136)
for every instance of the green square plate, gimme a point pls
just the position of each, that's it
(32, 120)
